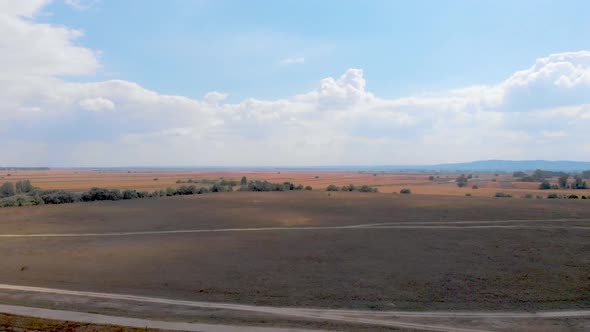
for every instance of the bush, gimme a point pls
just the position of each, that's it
(101, 194)
(583, 197)
(503, 195)
(552, 196)
(528, 196)
(59, 197)
(332, 188)
(573, 197)
(308, 188)
(405, 191)
(474, 187)
(468, 195)
(130, 194)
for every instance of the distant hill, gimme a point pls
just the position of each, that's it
(505, 166)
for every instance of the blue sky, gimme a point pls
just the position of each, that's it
(405, 47)
(292, 83)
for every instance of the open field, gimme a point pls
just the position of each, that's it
(308, 249)
(386, 182)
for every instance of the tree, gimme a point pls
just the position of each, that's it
(244, 181)
(579, 183)
(563, 181)
(24, 186)
(7, 189)
(545, 185)
(461, 181)
(586, 174)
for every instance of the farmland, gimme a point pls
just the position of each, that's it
(488, 184)
(360, 251)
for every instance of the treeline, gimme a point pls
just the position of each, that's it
(24, 168)
(23, 193)
(364, 188)
(563, 179)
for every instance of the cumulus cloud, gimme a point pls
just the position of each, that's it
(538, 112)
(97, 104)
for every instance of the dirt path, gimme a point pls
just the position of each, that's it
(82, 317)
(519, 224)
(395, 319)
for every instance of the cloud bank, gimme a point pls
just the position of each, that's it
(45, 120)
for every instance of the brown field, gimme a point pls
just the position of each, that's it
(386, 182)
(379, 268)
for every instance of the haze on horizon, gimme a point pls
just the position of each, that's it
(295, 83)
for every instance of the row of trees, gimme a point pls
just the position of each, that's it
(23, 193)
(564, 183)
(352, 187)
(8, 189)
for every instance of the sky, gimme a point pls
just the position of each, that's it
(97, 83)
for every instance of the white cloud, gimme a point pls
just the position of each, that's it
(60, 123)
(214, 97)
(97, 104)
(293, 61)
(81, 4)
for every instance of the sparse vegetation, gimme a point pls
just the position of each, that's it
(503, 195)
(405, 191)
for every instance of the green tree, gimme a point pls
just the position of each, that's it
(563, 181)
(461, 181)
(7, 189)
(244, 181)
(545, 185)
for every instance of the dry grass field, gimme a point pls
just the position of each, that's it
(387, 182)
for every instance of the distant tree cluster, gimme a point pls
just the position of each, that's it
(23, 193)
(563, 179)
(269, 186)
(363, 188)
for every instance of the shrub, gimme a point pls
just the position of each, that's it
(468, 195)
(583, 197)
(503, 195)
(528, 196)
(332, 188)
(431, 178)
(59, 197)
(474, 187)
(308, 188)
(552, 196)
(405, 191)
(572, 197)
(129, 194)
